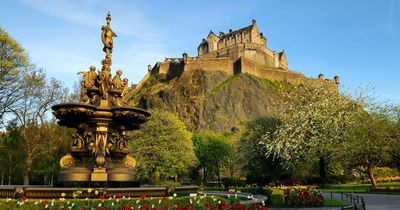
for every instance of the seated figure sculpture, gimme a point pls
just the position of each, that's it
(88, 81)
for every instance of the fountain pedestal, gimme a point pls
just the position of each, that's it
(99, 175)
(98, 152)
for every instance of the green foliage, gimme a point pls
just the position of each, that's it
(212, 151)
(13, 61)
(162, 147)
(260, 168)
(10, 156)
(313, 122)
(385, 172)
(277, 197)
(313, 127)
(371, 140)
(26, 97)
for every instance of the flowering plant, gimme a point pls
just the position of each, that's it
(119, 201)
(303, 196)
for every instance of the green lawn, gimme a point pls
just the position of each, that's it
(328, 202)
(358, 188)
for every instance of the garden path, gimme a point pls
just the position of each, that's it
(375, 201)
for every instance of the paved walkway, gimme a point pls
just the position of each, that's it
(375, 201)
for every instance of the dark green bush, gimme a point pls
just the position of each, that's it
(277, 197)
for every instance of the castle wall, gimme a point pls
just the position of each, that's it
(212, 42)
(210, 64)
(247, 66)
(170, 70)
(235, 38)
(255, 52)
(163, 67)
(257, 38)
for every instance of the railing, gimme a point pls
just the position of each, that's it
(356, 202)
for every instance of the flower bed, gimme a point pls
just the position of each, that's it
(303, 196)
(384, 180)
(118, 201)
(386, 189)
(388, 179)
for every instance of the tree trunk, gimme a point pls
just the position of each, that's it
(2, 177)
(157, 177)
(27, 168)
(371, 176)
(9, 175)
(219, 174)
(231, 167)
(322, 170)
(25, 177)
(204, 174)
(9, 168)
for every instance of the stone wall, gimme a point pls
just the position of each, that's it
(245, 64)
(210, 64)
(296, 78)
(255, 52)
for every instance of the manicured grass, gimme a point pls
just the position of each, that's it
(328, 202)
(358, 188)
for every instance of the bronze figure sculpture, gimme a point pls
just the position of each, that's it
(99, 153)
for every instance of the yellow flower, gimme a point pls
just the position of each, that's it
(96, 192)
(89, 190)
(62, 194)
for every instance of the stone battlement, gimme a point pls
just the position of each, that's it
(241, 51)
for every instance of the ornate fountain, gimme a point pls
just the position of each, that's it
(99, 154)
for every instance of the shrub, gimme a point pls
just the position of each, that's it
(382, 172)
(277, 197)
(303, 197)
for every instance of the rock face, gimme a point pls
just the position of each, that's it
(211, 100)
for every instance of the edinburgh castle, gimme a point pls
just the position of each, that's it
(240, 51)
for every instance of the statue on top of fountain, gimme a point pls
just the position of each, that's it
(101, 88)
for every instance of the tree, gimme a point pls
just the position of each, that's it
(10, 154)
(27, 95)
(39, 95)
(371, 140)
(260, 168)
(13, 61)
(212, 151)
(235, 159)
(162, 147)
(47, 166)
(313, 125)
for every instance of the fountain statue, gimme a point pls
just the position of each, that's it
(98, 154)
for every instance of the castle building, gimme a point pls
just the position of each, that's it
(247, 42)
(241, 51)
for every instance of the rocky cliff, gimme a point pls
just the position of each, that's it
(211, 100)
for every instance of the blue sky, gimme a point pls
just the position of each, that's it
(359, 40)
